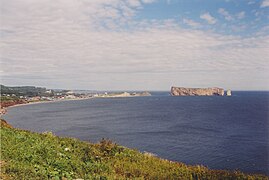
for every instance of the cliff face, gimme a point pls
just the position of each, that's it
(181, 91)
(8, 103)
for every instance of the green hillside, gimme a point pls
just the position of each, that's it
(28, 155)
(22, 90)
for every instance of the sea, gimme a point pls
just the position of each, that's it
(218, 132)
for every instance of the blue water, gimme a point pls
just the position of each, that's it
(217, 132)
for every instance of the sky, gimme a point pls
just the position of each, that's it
(135, 44)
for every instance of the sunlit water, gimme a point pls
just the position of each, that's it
(218, 132)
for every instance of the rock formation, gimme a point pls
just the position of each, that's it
(146, 93)
(229, 92)
(181, 91)
(8, 103)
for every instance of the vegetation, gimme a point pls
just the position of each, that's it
(6, 101)
(23, 90)
(10, 98)
(29, 155)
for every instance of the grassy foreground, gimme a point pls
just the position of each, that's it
(29, 155)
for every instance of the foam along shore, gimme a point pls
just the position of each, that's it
(29, 155)
(43, 102)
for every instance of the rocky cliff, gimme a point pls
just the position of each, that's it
(4, 104)
(181, 91)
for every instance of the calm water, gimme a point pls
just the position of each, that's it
(218, 132)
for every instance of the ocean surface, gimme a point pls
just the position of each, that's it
(217, 132)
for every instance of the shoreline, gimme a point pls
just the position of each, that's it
(4, 110)
(43, 102)
(61, 100)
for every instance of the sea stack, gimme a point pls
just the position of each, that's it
(229, 92)
(182, 91)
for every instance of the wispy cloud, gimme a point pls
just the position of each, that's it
(225, 13)
(210, 19)
(251, 2)
(191, 23)
(265, 3)
(148, 1)
(240, 15)
(230, 17)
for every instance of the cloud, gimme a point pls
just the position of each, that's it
(251, 2)
(210, 19)
(191, 23)
(148, 1)
(168, 1)
(230, 17)
(134, 3)
(241, 15)
(225, 13)
(265, 3)
(88, 45)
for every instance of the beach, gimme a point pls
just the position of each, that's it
(4, 110)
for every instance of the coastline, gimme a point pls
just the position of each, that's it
(77, 99)
(4, 110)
(41, 102)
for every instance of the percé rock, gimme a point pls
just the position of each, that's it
(181, 91)
(229, 93)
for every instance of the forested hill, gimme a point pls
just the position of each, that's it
(23, 90)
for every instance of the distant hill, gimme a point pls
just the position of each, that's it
(23, 90)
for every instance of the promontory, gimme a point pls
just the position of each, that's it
(182, 91)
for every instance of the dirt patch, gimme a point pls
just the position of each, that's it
(3, 123)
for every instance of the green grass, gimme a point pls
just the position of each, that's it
(28, 155)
